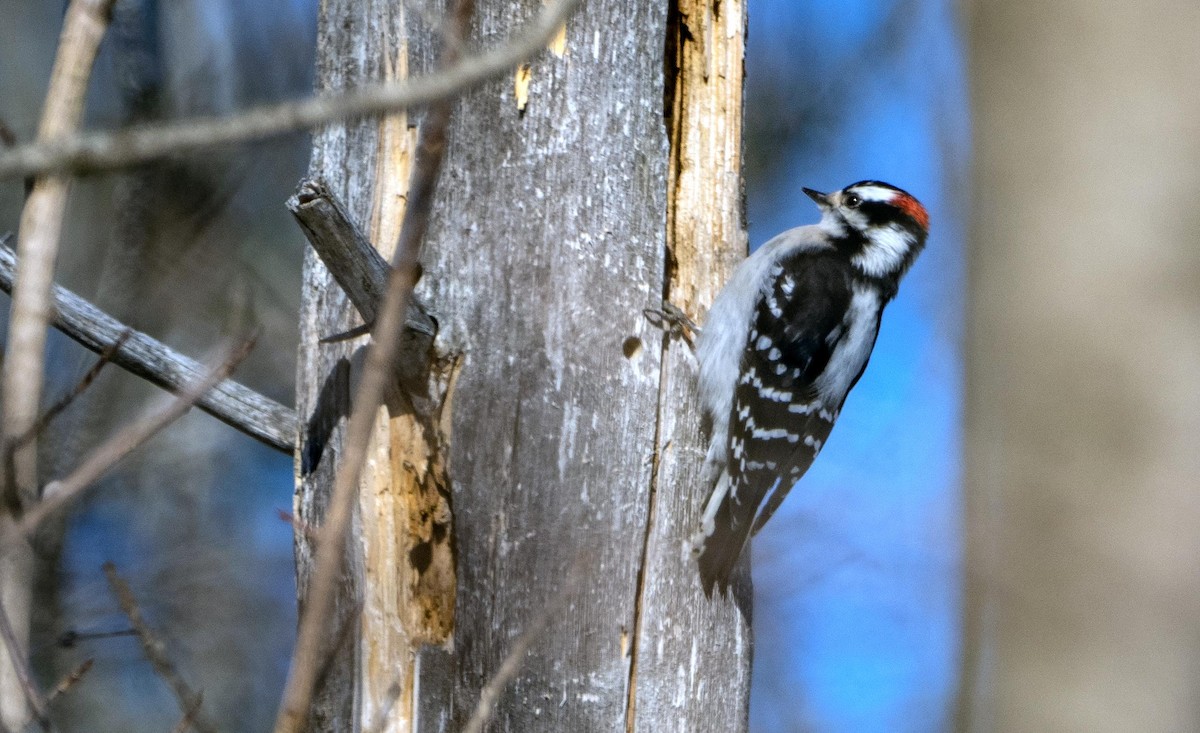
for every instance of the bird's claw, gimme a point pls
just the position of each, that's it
(674, 321)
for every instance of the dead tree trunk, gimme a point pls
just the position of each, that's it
(1083, 378)
(562, 424)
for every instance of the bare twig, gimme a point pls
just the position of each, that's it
(377, 375)
(344, 248)
(59, 493)
(188, 720)
(107, 151)
(230, 402)
(20, 662)
(41, 228)
(72, 679)
(69, 638)
(24, 365)
(301, 527)
(80, 387)
(155, 650)
(319, 602)
(490, 694)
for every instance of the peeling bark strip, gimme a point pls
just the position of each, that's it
(705, 69)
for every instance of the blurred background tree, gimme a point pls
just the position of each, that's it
(1084, 367)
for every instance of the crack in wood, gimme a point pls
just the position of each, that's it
(704, 238)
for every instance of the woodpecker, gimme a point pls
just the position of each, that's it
(784, 342)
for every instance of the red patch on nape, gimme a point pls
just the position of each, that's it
(913, 208)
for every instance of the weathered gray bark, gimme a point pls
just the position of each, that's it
(1084, 367)
(573, 433)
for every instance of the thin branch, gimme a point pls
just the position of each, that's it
(189, 716)
(156, 651)
(20, 662)
(135, 146)
(80, 387)
(72, 679)
(377, 376)
(319, 602)
(490, 694)
(230, 402)
(349, 256)
(298, 526)
(69, 638)
(41, 229)
(58, 494)
(24, 365)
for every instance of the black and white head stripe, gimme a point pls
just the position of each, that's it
(882, 201)
(882, 228)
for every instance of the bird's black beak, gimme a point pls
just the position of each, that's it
(821, 198)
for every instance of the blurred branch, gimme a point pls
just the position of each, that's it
(378, 375)
(24, 367)
(298, 526)
(156, 653)
(106, 151)
(189, 716)
(385, 713)
(58, 494)
(80, 387)
(490, 694)
(41, 229)
(72, 678)
(69, 638)
(20, 662)
(232, 403)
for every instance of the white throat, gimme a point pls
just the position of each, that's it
(884, 251)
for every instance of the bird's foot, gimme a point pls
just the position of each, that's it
(674, 321)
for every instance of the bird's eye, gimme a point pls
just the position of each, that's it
(851, 201)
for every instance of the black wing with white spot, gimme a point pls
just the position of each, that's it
(779, 420)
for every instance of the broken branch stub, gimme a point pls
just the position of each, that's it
(362, 274)
(419, 408)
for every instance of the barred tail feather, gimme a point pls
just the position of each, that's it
(722, 537)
